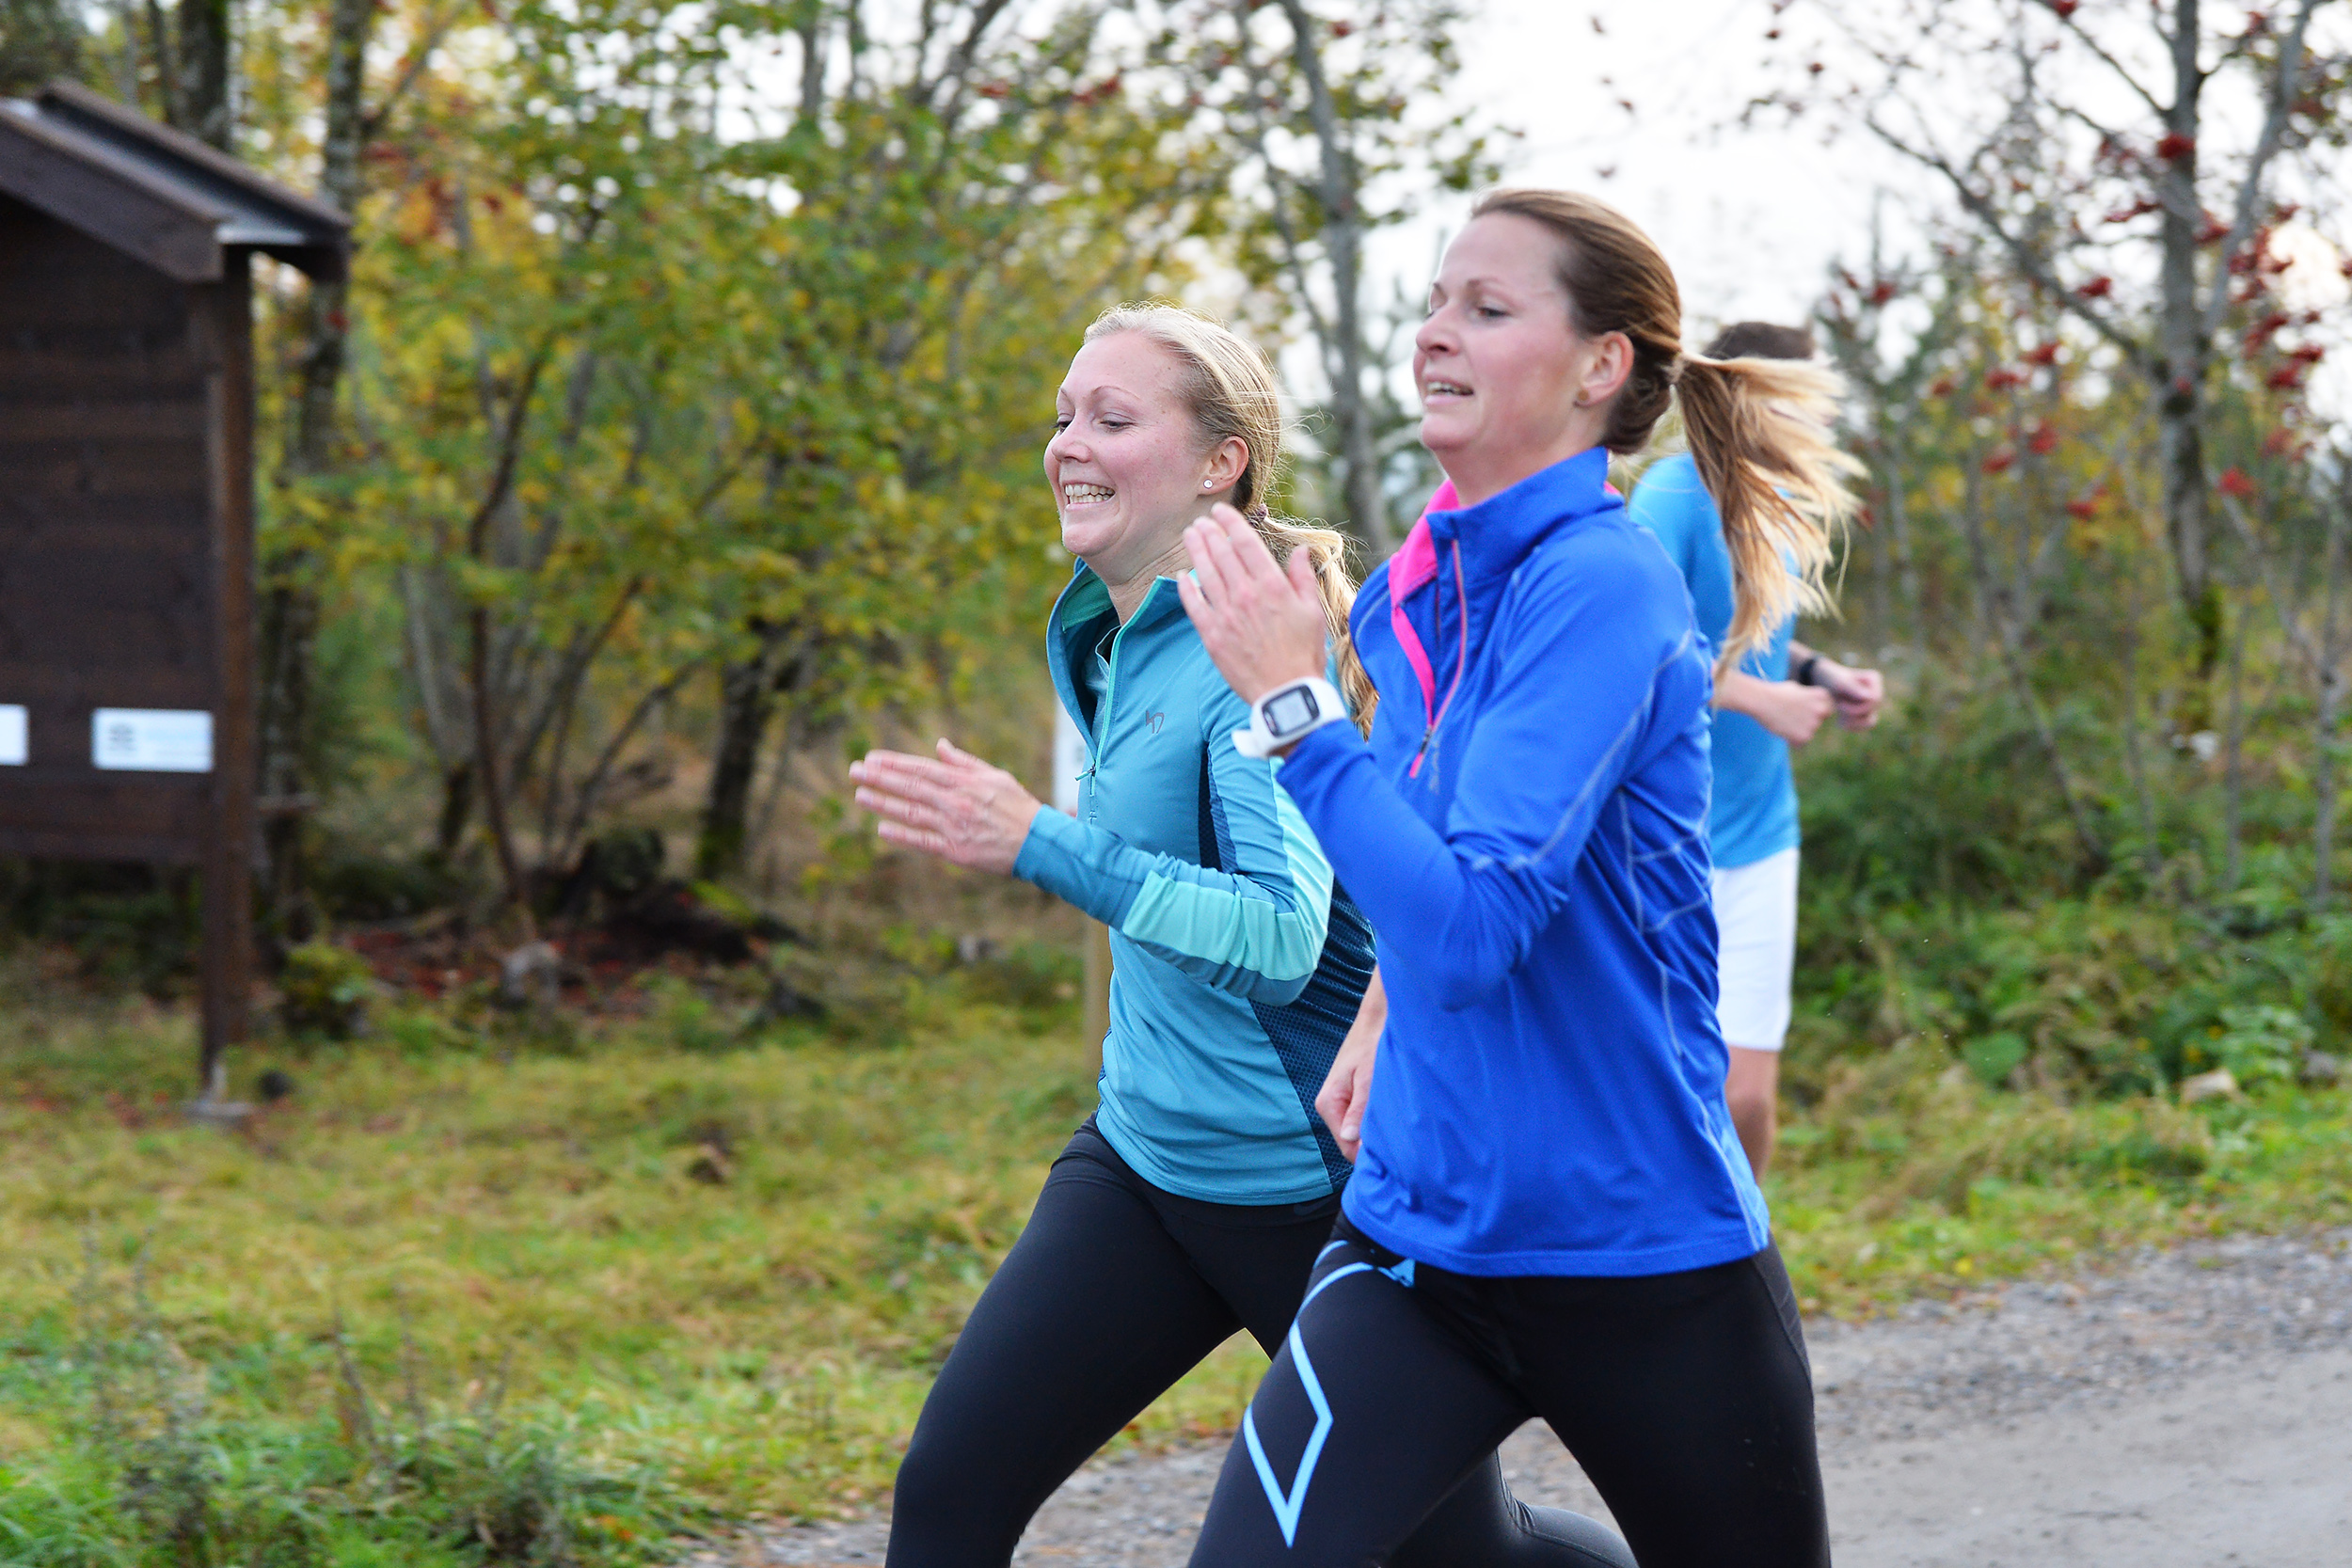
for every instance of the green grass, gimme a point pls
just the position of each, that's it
(533, 1222)
(1909, 1176)
(763, 1342)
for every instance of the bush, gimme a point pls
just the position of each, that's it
(324, 993)
(364, 887)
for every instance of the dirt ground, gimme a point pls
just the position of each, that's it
(2182, 1410)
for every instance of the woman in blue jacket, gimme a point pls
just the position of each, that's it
(1551, 1214)
(1193, 1202)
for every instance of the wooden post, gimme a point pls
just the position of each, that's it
(223, 320)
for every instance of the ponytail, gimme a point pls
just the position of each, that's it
(1760, 428)
(1759, 431)
(1232, 394)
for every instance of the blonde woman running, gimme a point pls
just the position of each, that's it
(1192, 1203)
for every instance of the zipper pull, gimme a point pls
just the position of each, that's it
(1426, 736)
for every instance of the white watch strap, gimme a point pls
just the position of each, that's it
(1259, 739)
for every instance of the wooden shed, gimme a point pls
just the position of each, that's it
(127, 705)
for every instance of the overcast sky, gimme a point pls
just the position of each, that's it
(1750, 218)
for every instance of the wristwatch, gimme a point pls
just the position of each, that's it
(1286, 713)
(1805, 671)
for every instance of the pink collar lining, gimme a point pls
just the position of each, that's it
(1413, 565)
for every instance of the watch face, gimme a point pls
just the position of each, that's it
(1291, 710)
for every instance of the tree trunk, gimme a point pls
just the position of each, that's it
(2324, 717)
(1342, 237)
(456, 808)
(2233, 770)
(812, 31)
(2180, 396)
(487, 745)
(290, 612)
(746, 700)
(202, 89)
(2152, 848)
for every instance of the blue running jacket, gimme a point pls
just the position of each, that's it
(1237, 965)
(1527, 830)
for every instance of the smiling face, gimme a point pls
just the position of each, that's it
(1508, 387)
(1128, 464)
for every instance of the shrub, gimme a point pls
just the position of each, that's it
(324, 993)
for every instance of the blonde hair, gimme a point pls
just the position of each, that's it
(1232, 393)
(1760, 428)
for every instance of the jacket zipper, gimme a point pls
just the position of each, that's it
(1102, 710)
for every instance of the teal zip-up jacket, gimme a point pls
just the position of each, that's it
(1237, 964)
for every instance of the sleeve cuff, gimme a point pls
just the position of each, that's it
(1059, 856)
(1319, 752)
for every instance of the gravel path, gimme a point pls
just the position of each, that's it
(2187, 1409)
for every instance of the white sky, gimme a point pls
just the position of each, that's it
(1751, 218)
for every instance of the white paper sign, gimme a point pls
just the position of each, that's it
(1070, 760)
(151, 740)
(12, 753)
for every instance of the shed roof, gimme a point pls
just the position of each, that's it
(155, 193)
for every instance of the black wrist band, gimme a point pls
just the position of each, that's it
(1805, 671)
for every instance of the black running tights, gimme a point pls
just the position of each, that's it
(1113, 1293)
(1685, 1396)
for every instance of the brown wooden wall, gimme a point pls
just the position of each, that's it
(106, 550)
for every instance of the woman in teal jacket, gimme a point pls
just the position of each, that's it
(1194, 1201)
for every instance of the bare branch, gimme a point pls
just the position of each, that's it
(2031, 264)
(2066, 20)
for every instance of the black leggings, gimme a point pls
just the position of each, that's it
(1686, 1397)
(1114, 1292)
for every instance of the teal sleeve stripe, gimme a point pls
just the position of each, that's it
(1276, 929)
(1209, 924)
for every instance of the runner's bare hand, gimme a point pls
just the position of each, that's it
(1347, 1088)
(964, 810)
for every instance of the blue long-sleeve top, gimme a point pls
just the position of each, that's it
(1526, 830)
(1237, 962)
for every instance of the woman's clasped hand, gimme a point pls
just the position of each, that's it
(1262, 624)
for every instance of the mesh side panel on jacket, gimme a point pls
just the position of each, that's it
(1306, 1035)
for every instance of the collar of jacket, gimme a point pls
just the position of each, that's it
(1085, 599)
(1497, 533)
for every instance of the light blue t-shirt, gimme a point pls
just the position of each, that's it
(1752, 812)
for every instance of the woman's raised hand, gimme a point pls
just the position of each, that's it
(1262, 624)
(961, 809)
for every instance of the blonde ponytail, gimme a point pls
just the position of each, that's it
(1760, 433)
(1327, 551)
(1760, 428)
(1232, 394)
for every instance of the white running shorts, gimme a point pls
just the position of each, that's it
(1756, 919)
